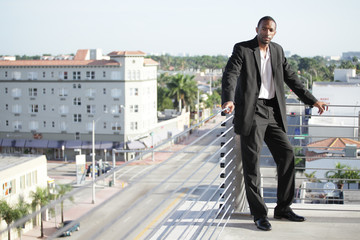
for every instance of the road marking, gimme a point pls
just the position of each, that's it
(157, 218)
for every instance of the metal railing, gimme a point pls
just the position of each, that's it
(193, 192)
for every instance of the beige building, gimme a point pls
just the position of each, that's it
(19, 176)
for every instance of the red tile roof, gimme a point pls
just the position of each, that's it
(322, 148)
(126, 53)
(81, 54)
(30, 63)
(149, 61)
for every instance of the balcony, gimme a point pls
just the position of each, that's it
(191, 187)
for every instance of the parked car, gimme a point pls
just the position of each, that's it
(105, 168)
(75, 227)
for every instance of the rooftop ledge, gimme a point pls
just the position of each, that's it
(322, 222)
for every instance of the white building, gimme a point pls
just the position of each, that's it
(19, 177)
(58, 101)
(343, 114)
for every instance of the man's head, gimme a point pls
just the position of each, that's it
(266, 30)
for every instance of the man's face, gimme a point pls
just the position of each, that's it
(266, 31)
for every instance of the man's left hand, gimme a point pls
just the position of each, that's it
(321, 106)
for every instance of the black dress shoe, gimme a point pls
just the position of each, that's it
(291, 216)
(263, 224)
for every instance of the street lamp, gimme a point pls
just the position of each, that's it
(63, 151)
(93, 162)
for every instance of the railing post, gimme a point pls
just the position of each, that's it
(230, 160)
(241, 204)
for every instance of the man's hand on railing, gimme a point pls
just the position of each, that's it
(228, 106)
(321, 106)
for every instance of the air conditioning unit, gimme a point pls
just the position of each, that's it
(350, 150)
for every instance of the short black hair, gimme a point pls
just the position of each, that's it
(266, 18)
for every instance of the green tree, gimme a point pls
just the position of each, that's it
(22, 209)
(183, 89)
(62, 190)
(40, 197)
(311, 177)
(213, 99)
(8, 214)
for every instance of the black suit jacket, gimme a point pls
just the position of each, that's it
(241, 82)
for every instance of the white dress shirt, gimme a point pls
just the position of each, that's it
(267, 89)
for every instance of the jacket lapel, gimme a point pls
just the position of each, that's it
(257, 59)
(273, 58)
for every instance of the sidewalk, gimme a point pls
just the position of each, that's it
(73, 213)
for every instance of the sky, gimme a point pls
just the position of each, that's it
(197, 27)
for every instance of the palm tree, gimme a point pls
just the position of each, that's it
(22, 209)
(183, 89)
(63, 189)
(338, 174)
(41, 197)
(7, 214)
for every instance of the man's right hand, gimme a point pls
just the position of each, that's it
(229, 107)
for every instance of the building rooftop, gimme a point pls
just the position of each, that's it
(8, 161)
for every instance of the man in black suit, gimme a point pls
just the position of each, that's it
(253, 86)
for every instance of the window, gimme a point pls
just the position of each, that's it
(52, 91)
(44, 90)
(105, 109)
(77, 136)
(134, 108)
(79, 85)
(16, 108)
(44, 107)
(134, 91)
(90, 109)
(74, 85)
(63, 126)
(76, 75)
(7, 123)
(44, 74)
(32, 92)
(77, 101)
(33, 125)
(91, 93)
(6, 74)
(32, 75)
(65, 75)
(53, 124)
(6, 106)
(44, 124)
(90, 75)
(104, 74)
(28, 180)
(34, 177)
(9, 188)
(34, 108)
(6, 90)
(52, 74)
(104, 90)
(104, 125)
(115, 126)
(63, 109)
(17, 125)
(116, 109)
(77, 117)
(115, 92)
(16, 92)
(133, 125)
(22, 182)
(63, 92)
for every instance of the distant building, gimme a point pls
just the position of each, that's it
(19, 177)
(344, 75)
(58, 101)
(350, 55)
(343, 114)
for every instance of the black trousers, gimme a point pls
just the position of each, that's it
(267, 127)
